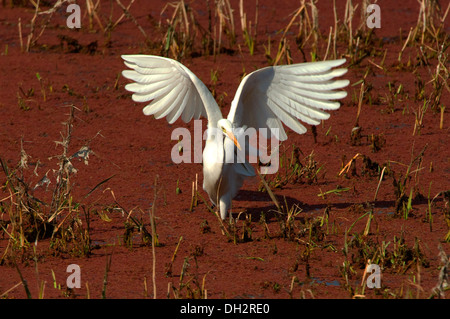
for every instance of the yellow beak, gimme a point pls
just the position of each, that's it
(233, 138)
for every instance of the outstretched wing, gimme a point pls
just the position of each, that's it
(172, 89)
(283, 94)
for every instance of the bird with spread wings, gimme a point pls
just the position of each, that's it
(265, 99)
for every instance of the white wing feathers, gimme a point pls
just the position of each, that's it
(172, 89)
(266, 98)
(272, 95)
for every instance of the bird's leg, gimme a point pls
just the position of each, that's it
(224, 206)
(224, 227)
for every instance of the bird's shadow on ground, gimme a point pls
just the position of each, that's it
(271, 211)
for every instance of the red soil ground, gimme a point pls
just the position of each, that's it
(134, 149)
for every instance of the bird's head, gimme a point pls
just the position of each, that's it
(225, 126)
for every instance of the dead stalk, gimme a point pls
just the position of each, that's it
(154, 237)
(379, 183)
(335, 30)
(49, 13)
(132, 18)
(92, 12)
(20, 35)
(328, 45)
(32, 26)
(405, 44)
(361, 96)
(123, 14)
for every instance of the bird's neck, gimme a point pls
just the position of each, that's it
(215, 136)
(214, 132)
(214, 149)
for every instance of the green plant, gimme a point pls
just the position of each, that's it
(105, 275)
(59, 217)
(287, 220)
(181, 32)
(224, 13)
(44, 96)
(189, 286)
(338, 190)
(247, 33)
(442, 285)
(294, 170)
(403, 203)
(419, 114)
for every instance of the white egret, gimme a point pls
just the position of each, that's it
(265, 98)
